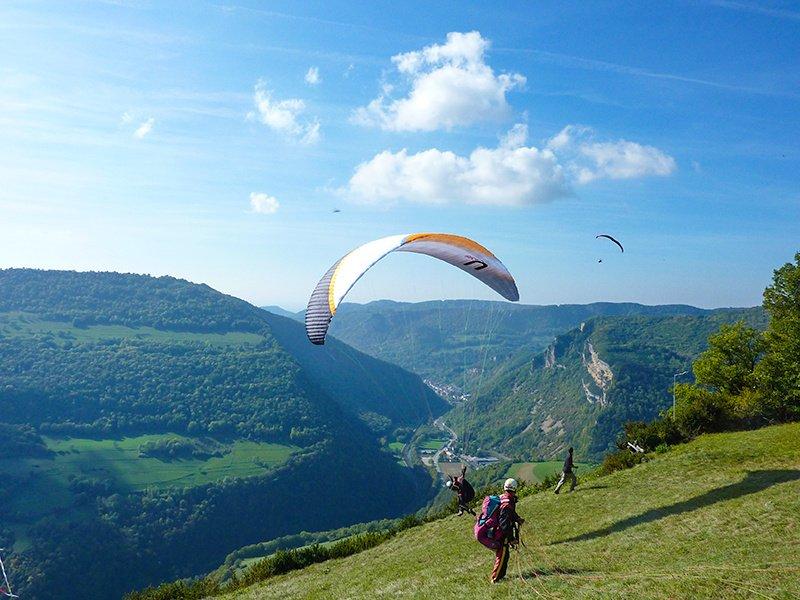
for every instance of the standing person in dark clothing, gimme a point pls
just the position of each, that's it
(567, 473)
(465, 491)
(509, 519)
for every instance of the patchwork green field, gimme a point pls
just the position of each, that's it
(44, 482)
(716, 518)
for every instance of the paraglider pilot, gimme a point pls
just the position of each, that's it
(509, 522)
(567, 473)
(465, 491)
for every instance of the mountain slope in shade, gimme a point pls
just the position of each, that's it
(282, 312)
(362, 384)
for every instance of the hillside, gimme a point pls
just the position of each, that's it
(716, 518)
(587, 384)
(452, 343)
(156, 422)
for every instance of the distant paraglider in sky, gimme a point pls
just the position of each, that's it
(461, 252)
(608, 237)
(336, 210)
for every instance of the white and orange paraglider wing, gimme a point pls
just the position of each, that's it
(458, 251)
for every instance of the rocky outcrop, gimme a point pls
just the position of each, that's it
(550, 357)
(601, 375)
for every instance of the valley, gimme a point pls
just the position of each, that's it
(148, 415)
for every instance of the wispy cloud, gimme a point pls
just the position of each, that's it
(263, 203)
(144, 129)
(752, 7)
(590, 64)
(451, 85)
(273, 14)
(284, 116)
(312, 76)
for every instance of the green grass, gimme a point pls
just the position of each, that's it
(250, 561)
(15, 324)
(396, 447)
(47, 479)
(536, 472)
(432, 444)
(717, 518)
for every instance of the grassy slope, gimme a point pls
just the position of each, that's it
(719, 517)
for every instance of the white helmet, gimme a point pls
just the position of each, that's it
(449, 483)
(510, 485)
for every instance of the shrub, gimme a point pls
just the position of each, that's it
(651, 435)
(618, 461)
(702, 411)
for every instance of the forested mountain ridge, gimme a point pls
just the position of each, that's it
(83, 300)
(588, 383)
(452, 343)
(105, 357)
(97, 297)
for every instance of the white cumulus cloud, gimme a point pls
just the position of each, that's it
(450, 86)
(284, 116)
(263, 203)
(510, 175)
(312, 76)
(622, 159)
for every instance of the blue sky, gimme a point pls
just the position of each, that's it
(213, 141)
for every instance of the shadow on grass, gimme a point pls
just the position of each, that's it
(554, 571)
(754, 481)
(588, 487)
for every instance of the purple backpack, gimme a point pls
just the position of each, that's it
(487, 527)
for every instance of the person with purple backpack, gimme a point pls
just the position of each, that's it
(497, 525)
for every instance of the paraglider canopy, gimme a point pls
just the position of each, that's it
(464, 253)
(608, 237)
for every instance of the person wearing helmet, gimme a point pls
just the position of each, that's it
(509, 521)
(464, 489)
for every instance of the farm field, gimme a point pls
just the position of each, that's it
(432, 444)
(44, 482)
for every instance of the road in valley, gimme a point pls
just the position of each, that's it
(442, 426)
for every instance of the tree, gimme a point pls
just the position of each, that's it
(779, 373)
(727, 365)
(725, 393)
